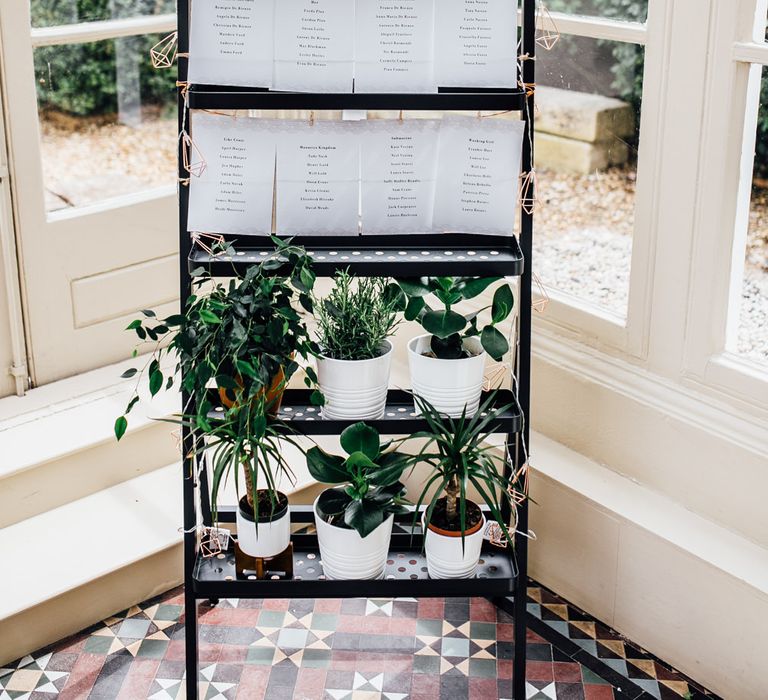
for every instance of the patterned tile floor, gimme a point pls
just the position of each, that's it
(358, 649)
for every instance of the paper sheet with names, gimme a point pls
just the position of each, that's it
(398, 162)
(395, 42)
(318, 168)
(314, 45)
(478, 174)
(476, 43)
(230, 42)
(234, 193)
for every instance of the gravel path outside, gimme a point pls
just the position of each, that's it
(584, 229)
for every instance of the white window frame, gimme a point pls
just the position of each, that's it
(568, 315)
(737, 59)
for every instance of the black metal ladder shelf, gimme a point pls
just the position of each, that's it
(503, 572)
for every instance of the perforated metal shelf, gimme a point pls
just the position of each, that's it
(400, 416)
(386, 256)
(405, 573)
(219, 97)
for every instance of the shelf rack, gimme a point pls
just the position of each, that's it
(503, 572)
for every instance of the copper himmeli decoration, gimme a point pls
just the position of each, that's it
(529, 192)
(193, 160)
(210, 543)
(163, 53)
(547, 33)
(542, 302)
(215, 238)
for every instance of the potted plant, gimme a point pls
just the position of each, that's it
(448, 362)
(353, 324)
(236, 344)
(354, 522)
(453, 524)
(247, 441)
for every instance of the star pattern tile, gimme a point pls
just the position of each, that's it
(359, 649)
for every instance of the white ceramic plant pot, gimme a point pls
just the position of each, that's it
(346, 555)
(272, 536)
(445, 558)
(448, 385)
(355, 389)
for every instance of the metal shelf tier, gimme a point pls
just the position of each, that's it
(405, 573)
(400, 416)
(471, 99)
(465, 254)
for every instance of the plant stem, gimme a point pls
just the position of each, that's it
(451, 497)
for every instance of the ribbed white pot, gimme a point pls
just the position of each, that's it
(271, 538)
(445, 558)
(448, 385)
(355, 389)
(346, 555)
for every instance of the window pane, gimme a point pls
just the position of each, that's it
(589, 94)
(628, 10)
(48, 13)
(107, 120)
(752, 338)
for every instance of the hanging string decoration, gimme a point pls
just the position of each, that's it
(163, 53)
(529, 192)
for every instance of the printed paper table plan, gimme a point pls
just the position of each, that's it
(420, 176)
(234, 193)
(365, 45)
(395, 40)
(476, 43)
(398, 163)
(318, 168)
(478, 165)
(314, 45)
(231, 42)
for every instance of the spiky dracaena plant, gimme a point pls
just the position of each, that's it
(459, 456)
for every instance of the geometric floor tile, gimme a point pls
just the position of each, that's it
(358, 649)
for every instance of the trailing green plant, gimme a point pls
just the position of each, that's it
(462, 458)
(236, 337)
(357, 316)
(371, 473)
(447, 326)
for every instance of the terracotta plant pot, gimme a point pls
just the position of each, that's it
(274, 393)
(445, 558)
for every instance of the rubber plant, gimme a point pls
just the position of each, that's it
(370, 474)
(448, 327)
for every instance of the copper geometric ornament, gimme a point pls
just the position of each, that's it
(213, 541)
(529, 192)
(547, 33)
(541, 303)
(193, 160)
(163, 53)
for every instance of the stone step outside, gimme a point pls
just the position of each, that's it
(559, 153)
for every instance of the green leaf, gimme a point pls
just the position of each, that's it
(121, 425)
(332, 502)
(473, 288)
(325, 468)
(246, 368)
(364, 516)
(129, 373)
(503, 303)
(360, 460)
(394, 297)
(209, 317)
(149, 313)
(133, 325)
(316, 398)
(361, 438)
(414, 308)
(443, 323)
(414, 287)
(155, 382)
(494, 343)
(226, 382)
(131, 404)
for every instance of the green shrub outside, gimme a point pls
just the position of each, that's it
(80, 79)
(629, 62)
